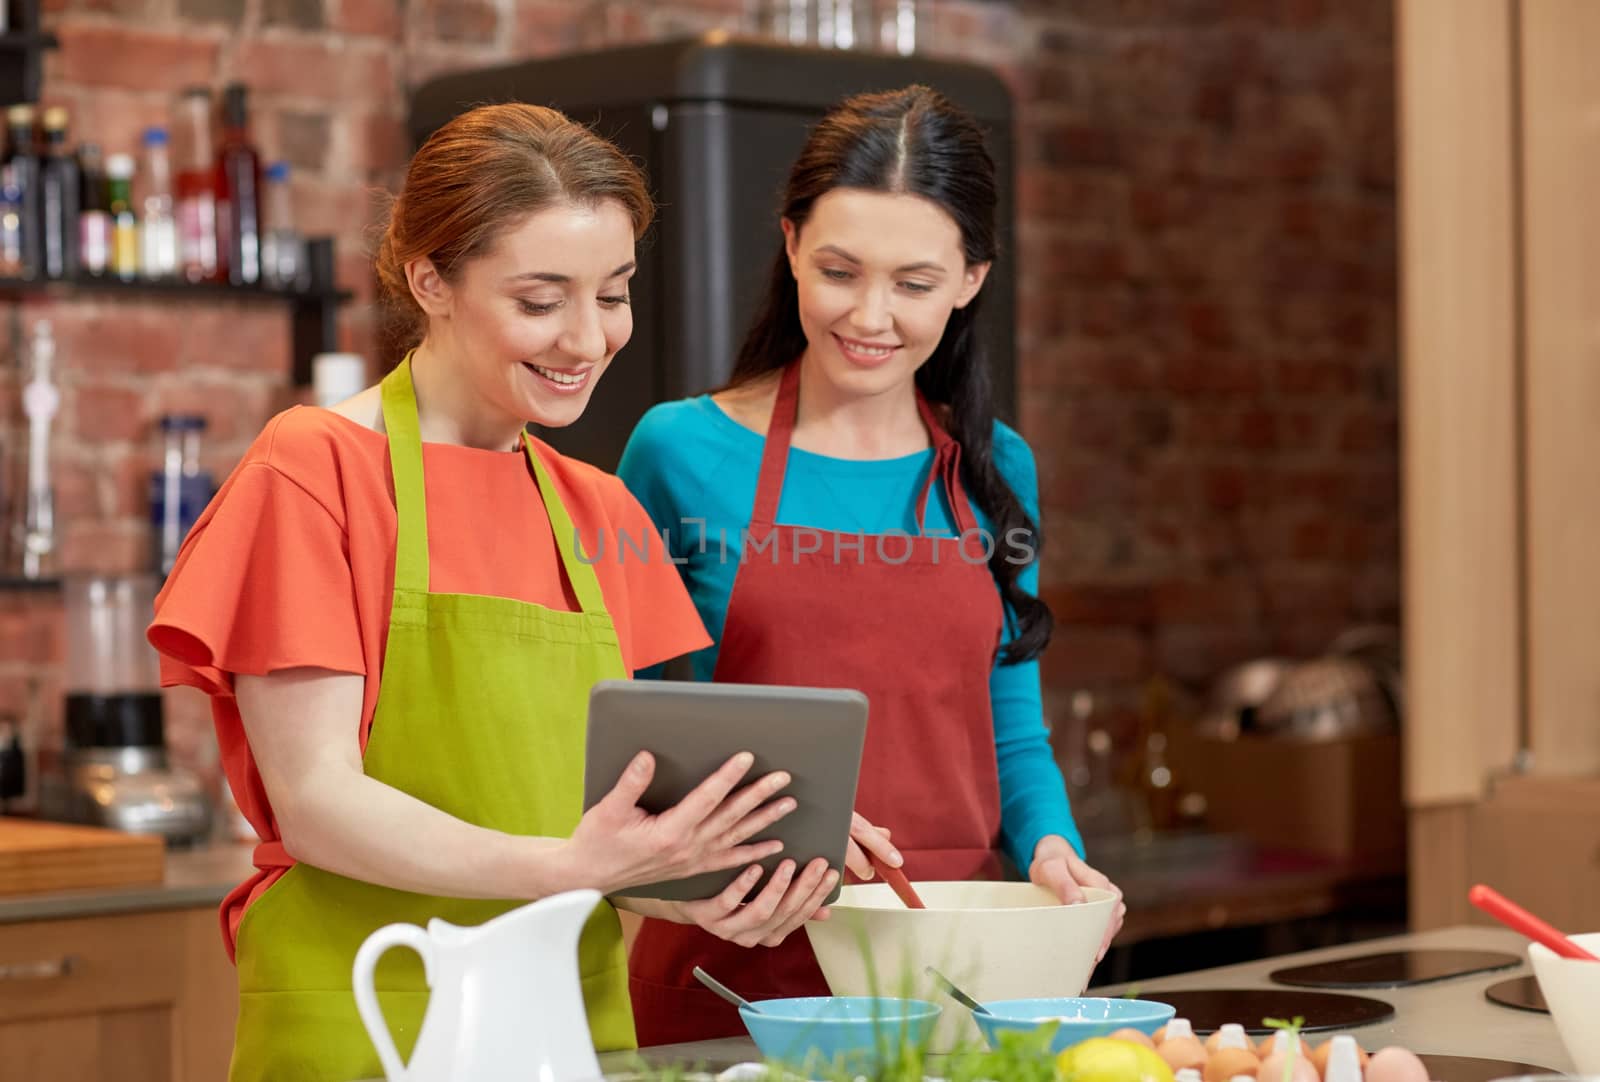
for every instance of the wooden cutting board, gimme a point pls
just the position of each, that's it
(38, 857)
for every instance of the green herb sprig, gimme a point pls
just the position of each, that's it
(1292, 1028)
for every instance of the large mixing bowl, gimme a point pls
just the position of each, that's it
(994, 940)
(1571, 987)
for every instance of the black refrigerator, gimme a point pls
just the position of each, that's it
(717, 121)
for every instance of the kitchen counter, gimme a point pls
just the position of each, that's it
(193, 878)
(1184, 883)
(1443, 1018)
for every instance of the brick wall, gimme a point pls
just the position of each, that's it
(1206, 284)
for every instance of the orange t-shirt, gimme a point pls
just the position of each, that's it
(292, 565)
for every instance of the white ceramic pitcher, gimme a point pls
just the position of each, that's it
(506, 1002)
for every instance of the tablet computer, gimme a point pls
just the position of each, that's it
(692, 728)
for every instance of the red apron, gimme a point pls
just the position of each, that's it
(910, 622)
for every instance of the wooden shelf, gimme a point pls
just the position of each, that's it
(169, 290)
(22, 41)
(18, 584)
(22, 57)
(315, 310)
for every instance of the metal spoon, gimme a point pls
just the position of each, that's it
(723, 990)
(957, 994)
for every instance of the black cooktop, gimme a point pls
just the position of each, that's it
(1519, 992)
(1393, 969)
(1210, 1009)
(1472, 1069)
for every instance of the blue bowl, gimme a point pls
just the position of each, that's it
(851, 1030)
(1080, 1017)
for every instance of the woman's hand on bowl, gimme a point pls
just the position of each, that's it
(1058, 868)
(865, 838)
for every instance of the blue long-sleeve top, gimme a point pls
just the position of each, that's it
(694, 469)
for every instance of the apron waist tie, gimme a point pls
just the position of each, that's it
(271, 855)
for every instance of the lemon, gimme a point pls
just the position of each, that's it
(1101, 1059)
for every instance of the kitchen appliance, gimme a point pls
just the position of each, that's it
(1394, 969)
(113, 769)
(1518, 993)
(1210, 1009)
(716, 122)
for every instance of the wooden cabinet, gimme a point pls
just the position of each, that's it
(1500, 268)
(141, 997)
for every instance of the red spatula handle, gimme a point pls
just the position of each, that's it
(1519, 920)
(897, 881)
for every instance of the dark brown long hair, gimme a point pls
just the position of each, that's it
(483, 172)
(916, 141)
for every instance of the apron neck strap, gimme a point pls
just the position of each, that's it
(405, 464)
(946, 468)
(775, 455)
(775, 458)
(585, 584)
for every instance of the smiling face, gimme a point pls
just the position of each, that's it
(878, 276)
(535, 320)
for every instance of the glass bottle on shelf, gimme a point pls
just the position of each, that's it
(19, 180)
(158, 231)
(197, 188)
(11, 216)
(180, 489)
(786, 21)
(282, 252)
(124, 225)
(238, 192)
(845, 24)
(94, 214)
(58, 198)
(35, 532)
(897, 26)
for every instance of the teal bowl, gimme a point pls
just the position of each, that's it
(1078, 1018)
(850, 1030)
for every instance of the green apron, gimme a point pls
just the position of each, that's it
(480, 714)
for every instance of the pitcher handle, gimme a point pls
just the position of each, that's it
(393, 935)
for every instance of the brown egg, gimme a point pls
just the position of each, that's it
(1395, 1065)
(1181, 1052)
(1159, 1035)
(1319, 1058)
(1226, 1063)
(1134, 1035)
(1272, 1070)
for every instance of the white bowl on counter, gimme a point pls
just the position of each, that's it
(1571, 987)
(994, 940)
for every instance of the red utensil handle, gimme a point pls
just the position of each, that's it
(1519, 920)
(897, 881)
